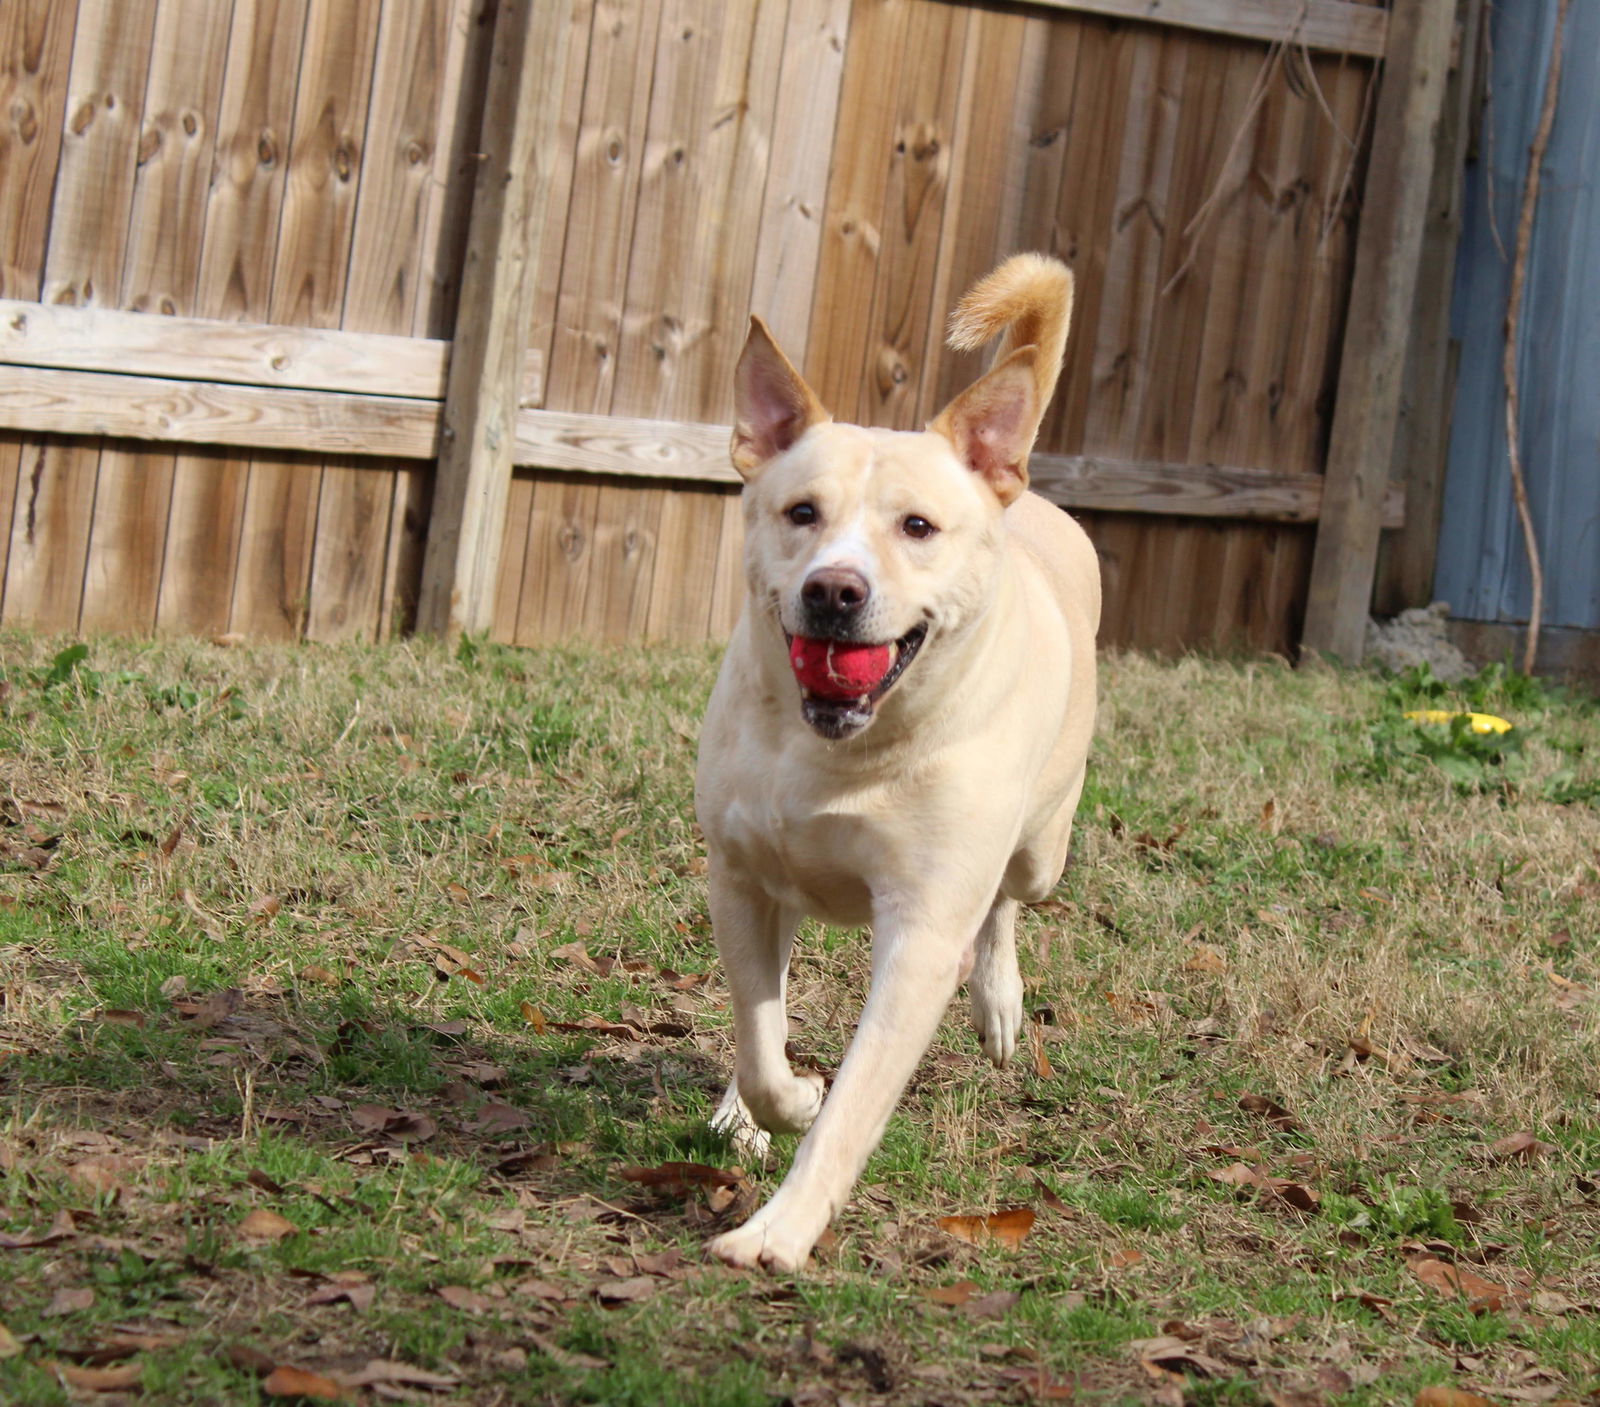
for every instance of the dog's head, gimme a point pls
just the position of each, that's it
(871, 549)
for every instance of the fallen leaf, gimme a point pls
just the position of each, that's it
(461, 1297)
(495, 1117)
(264, 1224)
(636, 1287)
(359, 1294)
(73, 1301)
(1040, 1386)
(1456, 1281)
(952, 1295)
(677, 1179)
(206, 1012)
(1010, 1227)
(992, 1305)
(1041, 1058)
(61, 1228)
(104, 1173)
(577, 954)
(115, 1016)
(1270, 1110)
(1205, 958)
(313, 973)
(1049, 1197)
(249, 1359)
(1521, 1147)
(1441, 1396)
(288, 1381)
(124, 1375)
(174, 837)
(599, 1026)
(395, 1123)
(1175, 1355)
(663, 1264)
(10, 1344)
(386, 1371)
(1123, 1257)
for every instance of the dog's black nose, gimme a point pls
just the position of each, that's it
(835, 593)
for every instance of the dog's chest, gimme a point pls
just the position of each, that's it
(825, 862)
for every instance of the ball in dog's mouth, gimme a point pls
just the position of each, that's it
(841, 681)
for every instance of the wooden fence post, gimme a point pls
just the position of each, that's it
(1372, 362)
(1407, 555)
(465, 533)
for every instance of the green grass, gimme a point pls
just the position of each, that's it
(418, 872)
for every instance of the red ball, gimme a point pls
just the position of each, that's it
(837, 669)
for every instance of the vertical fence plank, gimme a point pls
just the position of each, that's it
(83, 265)
(561, 531)
(727, 578)
(467, 530)
(1141, 229)
(309, 272)
(133, 494)
(532, 540)
(355, 511)
(983, 202)
(847, 271)
(699, 209)
(706, 149)
(803, 134)
(236, 256)
(1394, 207)
(912, 217)
(1407, 558)
(605, 188)
(1082, 219)
(35, 57)
(689, 537)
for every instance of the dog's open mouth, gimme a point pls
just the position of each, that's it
(841, 681)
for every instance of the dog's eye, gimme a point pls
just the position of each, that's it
(802, 515)
(913, 526)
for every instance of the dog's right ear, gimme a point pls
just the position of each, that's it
(772, 405)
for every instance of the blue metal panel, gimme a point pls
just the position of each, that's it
(1482, 568)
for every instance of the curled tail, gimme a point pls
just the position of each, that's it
(1029, 297)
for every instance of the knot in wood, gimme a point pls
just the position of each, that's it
(25, 121)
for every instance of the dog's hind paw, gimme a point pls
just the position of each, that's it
(998, 1022)
(735, 1122)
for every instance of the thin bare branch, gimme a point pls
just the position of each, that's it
(1519, 275)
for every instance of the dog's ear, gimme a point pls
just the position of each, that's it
(772, 405)
(992, 423)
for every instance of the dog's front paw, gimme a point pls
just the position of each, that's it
(997, 1017)
(736, 1122)
(762, 1244)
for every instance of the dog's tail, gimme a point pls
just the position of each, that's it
(1030, 298)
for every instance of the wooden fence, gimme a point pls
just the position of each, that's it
(233, 235)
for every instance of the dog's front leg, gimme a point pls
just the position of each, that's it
(754, 935)
(915, 973)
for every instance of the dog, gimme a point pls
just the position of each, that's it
(898, 733)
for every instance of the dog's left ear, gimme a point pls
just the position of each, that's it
(772, 405)
(992, 423)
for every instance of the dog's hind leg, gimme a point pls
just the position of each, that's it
(754, 935)
(995, 984)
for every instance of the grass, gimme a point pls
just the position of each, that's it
(409, 948)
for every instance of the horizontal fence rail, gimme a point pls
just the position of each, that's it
(261, 386)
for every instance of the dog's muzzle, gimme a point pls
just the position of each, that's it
(837, 718)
